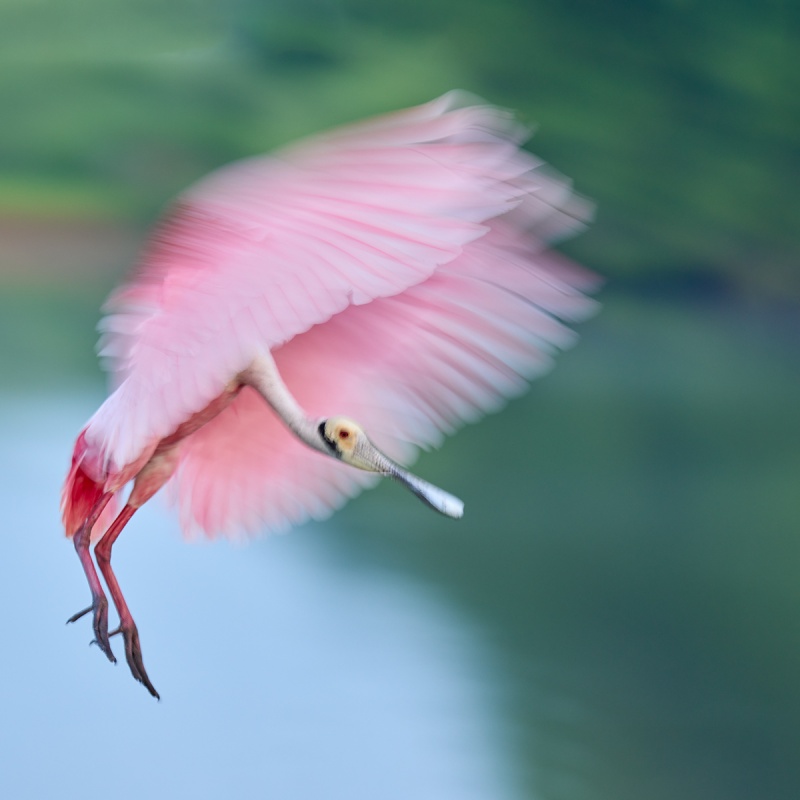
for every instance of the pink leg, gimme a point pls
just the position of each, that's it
(150, 479)
(127, 627)
(99, 604)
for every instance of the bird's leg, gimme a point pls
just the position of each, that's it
(99, 606)
(150, 479)
(127, 627)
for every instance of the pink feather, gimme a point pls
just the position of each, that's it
(397, 271)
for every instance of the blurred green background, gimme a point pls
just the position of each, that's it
(631, 544)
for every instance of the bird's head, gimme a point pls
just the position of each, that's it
(346, 440)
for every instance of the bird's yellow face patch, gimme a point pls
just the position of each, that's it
(342, 434)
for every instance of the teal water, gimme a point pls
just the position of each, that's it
(617, 616)
(631, 547)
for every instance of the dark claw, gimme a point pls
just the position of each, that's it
(133, 655)
(76, 617)
(99, 624)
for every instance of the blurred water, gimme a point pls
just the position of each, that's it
(284, 670)
(629, 554)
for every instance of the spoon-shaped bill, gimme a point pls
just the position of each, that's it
(438, 499)
(366, 456)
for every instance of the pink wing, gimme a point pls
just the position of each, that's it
(409, 367)
(262, 250)
(396, 270)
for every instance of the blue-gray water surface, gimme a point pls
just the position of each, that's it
(615, 618)
(284, 671)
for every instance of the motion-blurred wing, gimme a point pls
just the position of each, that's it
(409, 368)
(262, 250)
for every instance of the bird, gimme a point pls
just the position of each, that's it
(301, 324)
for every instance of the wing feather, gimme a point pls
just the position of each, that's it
(262, 250)
(410, 367)
(396, 269)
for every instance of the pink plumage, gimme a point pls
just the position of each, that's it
(394, 270)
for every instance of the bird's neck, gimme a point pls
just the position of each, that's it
(263, 376)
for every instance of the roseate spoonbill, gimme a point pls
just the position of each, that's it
(395, 270)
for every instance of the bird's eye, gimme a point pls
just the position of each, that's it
(344, 434)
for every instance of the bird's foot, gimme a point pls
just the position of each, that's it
(99, 607)
(133, 654)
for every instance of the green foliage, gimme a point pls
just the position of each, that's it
(678, 118)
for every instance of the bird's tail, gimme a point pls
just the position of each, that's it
(81, 493)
